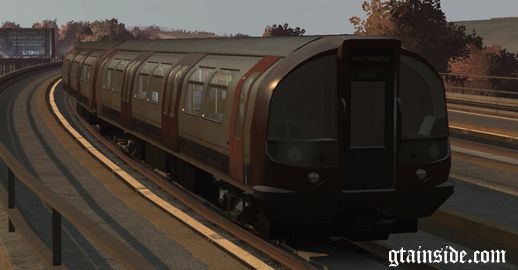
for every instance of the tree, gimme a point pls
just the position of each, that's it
(9, 24)
(238, 35)
(46, 24)
(478, 63)
(149, 32)
(282, 30)
(139, 34)
(420, 25)
(481, 62)
(105, 30)
(69, 35)
(378, 21)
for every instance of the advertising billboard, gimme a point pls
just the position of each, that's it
(27, 43)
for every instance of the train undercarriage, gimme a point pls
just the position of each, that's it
(282, 214)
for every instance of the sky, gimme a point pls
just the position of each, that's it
(229, 16)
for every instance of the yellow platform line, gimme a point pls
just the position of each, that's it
(210, 234)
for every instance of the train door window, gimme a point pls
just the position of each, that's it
(195, 88)
(75, 68)
(128, 75)
(243, 97)
(108, 76)
(141, 88)
(157, 83)
(216, 95)
(367, 114)
(169, 88)
(87, 68)
(119, 75)
(85, 73)
(66, 63)
(175, 87)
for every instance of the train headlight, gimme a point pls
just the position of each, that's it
(314, 178)
(421, 175)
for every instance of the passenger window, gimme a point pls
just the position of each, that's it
(108, 77)
(142, 86)
(195, 88)
(216, 96)
(157, 83)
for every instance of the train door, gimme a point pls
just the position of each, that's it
(75, 74)
(170, 106)
(368, 97)
(67, 66)
(240, 103)
(127, 88)
(97, 68)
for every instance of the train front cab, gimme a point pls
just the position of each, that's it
(357, 145)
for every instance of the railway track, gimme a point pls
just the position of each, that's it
(375, 253)
(48, 153)
(288, 255)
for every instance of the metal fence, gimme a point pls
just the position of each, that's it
(61, 208)
(9, 65)
(494, 86)
(128, 257)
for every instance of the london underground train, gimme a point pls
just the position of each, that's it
(293, 136)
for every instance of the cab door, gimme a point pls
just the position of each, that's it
(368, 96)
(239, 106)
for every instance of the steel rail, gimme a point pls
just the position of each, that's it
(278, 254)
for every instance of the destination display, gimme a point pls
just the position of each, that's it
(27, 43)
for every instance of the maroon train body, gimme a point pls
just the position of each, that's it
(293, 136)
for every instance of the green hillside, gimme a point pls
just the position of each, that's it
(503, 31)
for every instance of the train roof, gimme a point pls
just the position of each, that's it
(249, 46)
(97, 45)
(252, 46)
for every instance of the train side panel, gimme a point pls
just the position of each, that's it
(206, 105)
